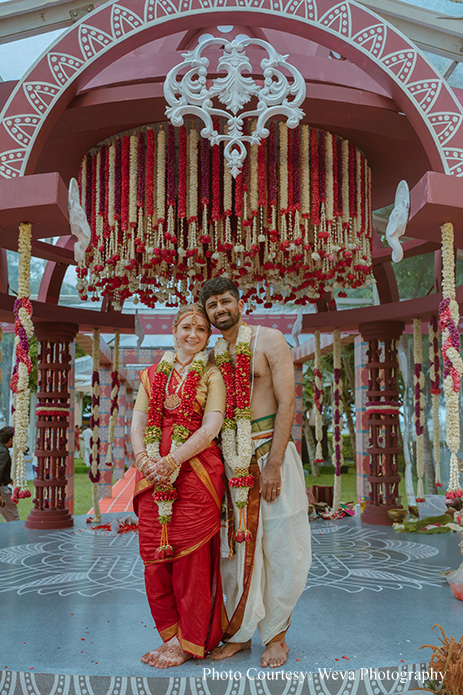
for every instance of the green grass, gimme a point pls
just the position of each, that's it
(82, 493)
(349, 484)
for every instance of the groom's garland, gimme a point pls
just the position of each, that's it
(165, 494)
(236, 429)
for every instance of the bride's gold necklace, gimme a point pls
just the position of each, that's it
(183, 364)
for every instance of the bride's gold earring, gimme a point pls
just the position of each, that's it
(176, 343)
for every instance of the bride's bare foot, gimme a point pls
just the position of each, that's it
(150, 656)
(275, 654)
(228, 649)
(172, 655)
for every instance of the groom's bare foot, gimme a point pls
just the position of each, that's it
(150, 656)
(275, 654)
(172, 655)
(228, 649)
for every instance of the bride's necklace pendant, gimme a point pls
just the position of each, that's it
(172, 401)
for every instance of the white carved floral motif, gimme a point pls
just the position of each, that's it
(189, 94)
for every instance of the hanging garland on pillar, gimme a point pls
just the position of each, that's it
(19, 383)
(449, 316)
(114, 409)
(338, 458)
(166, 216)
(318, 400)
(419, 405)
(94, 472)
(434, 372)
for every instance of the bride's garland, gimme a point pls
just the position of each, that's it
(165, 494)
(236, 429)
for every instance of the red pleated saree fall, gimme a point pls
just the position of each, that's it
(185, 591)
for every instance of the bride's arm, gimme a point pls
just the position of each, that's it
(199, 440)
(137, 435)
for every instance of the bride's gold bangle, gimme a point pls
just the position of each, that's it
(171, 462)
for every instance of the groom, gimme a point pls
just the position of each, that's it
(264, 578)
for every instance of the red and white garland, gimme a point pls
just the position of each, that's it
(419, 405)
(19, 383)
(318, 399)
(162, 213)
(236, 429)
(338, 458)
(94, 472)
(449, 317)
(165, 494)
(434, 373)
(114, 410)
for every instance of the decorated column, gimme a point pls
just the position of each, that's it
(53, 405)
(382, 419)
(119, 446)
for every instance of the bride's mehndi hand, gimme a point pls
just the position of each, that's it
(163, 470)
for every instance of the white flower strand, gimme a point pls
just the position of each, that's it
(237, 443)
(21, 396)
(451, 396)
(337, 390)
(419, 404)
(318, 386)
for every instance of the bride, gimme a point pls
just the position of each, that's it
(178, 492)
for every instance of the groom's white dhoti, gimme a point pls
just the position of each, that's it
(265, 577)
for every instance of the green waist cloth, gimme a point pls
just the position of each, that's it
(263, 424)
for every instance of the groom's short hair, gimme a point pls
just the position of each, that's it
(218, 285)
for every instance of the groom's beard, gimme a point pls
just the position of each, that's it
(229, 319)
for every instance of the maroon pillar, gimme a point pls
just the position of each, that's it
(52, 424)
(382, 413)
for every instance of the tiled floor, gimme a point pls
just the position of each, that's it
(73, 603)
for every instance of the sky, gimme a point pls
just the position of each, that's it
(17, 57)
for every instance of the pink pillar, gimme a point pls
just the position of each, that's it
(296, 429)
(53, 402)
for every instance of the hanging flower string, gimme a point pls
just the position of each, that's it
(419, 405)
(338, 458)
(318, 400)
(114, 408)
(236, 430)
(19, 383)
(162, 211)
(94, 472)
(434, 373)
(449, 317)
(165, 494)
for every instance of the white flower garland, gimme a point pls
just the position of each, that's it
(21, 395)
(152, 448)
(337, 457)
(452, 382)
(318, 399)
(419, 404)
(236, 441)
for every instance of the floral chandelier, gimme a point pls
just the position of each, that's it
(166, 215)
